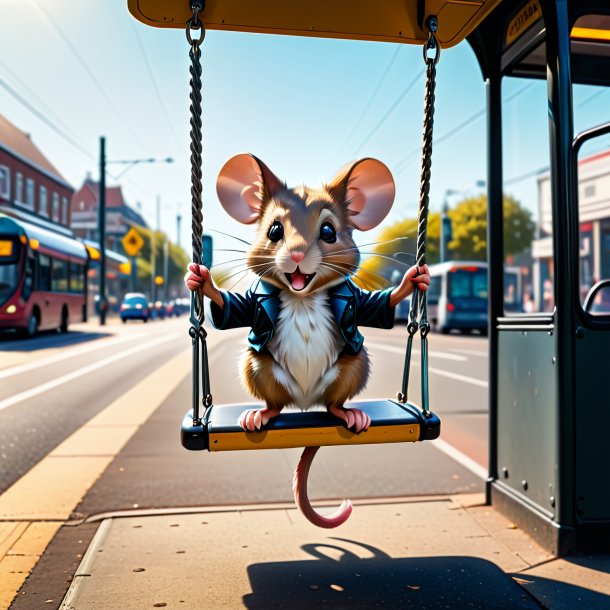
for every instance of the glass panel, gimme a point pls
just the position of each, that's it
(55, 207)
(59, 282)
(28, 283)
(77, 278)
(594, 219)
(9, 277)
(467, 288)
(44, 272)
(591, 107)
(43, 201)
(5, 182)
(528, 217)
(29, 186)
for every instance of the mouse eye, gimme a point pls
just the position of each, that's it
(328, 233)
(276, 231)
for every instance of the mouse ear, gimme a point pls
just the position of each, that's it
(366, 188)
(244, 184)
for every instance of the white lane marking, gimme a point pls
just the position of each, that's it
(470, 352)
(458, 377)
(82, 371)
(401, 350)
(461, 458)
(65, 355)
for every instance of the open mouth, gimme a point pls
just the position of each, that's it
(299, 281)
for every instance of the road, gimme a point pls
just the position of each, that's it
(53, 387)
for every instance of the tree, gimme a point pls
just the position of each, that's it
(469, 228)
(469, 239)
(398, 242)
(177, 261)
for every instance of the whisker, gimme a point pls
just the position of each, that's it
(373, 243)
(243, 258)
(261, 276)
(390, 258)
(233, 236)
(355, 274)
(229, 250)
(252, 268)
(354, 268)
(243, 275)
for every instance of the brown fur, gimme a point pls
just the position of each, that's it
(258, 378)
(299, 211)
(351, 380)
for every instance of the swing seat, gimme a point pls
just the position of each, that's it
(391, 422)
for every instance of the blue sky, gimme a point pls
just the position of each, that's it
(291, 101)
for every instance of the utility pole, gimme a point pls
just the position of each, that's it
(153, 269)
(102, 226)
(178, 221)
(166, 268)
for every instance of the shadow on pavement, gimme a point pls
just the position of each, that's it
(11, 342)
(380, 581)
(557, 593)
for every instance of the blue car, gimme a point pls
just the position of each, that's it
(134, 307)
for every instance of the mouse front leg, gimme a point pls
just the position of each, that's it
(351, 378)
(258, 377)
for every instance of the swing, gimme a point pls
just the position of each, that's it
(215, 427)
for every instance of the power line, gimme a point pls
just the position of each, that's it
(389, 111)
(85, 67)
(45, 120)
(407, 159)
(372, 97)
(60, 132)
(154, 84)
(40, 103)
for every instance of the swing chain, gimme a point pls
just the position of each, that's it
(419, 302)
(196, 331)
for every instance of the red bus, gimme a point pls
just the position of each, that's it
(43, 278)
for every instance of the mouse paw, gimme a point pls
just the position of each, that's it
(252, 420)
(355, 419)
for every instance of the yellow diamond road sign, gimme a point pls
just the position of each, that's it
(132, 242)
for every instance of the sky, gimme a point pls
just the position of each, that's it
(305, 106)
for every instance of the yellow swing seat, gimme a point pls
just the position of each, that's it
(391, 422)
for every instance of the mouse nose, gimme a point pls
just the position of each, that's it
(297, 257)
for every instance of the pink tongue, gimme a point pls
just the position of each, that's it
(298, 281)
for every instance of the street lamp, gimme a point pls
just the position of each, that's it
(102, 214)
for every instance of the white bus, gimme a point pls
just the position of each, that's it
(457, 298)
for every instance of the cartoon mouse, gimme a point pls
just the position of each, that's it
(304, 346)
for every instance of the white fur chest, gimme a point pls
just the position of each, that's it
(305, 346)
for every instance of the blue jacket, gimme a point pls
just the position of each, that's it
(260, 306)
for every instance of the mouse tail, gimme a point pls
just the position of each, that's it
(299, 488)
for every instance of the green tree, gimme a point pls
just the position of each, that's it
(178, 259)
(469, 228)
(469, 239)
(399, 242)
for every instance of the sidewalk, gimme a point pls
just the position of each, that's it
(440, 552)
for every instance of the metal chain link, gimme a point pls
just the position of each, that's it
(196, 331)
(419, 302)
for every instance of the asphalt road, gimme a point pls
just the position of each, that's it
(54, 384)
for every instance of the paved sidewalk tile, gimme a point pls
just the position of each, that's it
(429, 554)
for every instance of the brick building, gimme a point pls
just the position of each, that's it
(31, 187)
(119, 215)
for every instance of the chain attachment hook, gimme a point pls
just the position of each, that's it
(432, 43)
(194, 24)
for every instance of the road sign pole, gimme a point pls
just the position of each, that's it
(134, 273)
